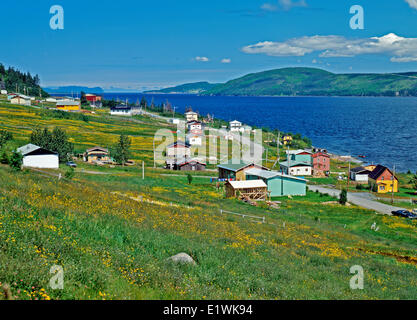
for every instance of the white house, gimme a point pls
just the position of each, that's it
(3, 92)
(191, 116)
(297, 168)
(125, 111)
(194, 139)
(359, 174)
(37, 157)
(178, 149)
(20, 99)
(235, 126)
(195, 126)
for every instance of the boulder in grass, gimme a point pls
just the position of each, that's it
(182, 258)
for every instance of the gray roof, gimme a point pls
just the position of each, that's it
(67, 103)
(29, 148)
(270, 174)
(24, 150)
(295, 164)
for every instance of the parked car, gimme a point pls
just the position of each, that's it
(404, 214)
(71, 164)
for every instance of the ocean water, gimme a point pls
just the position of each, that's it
(382, 129)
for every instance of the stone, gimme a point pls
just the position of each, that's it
(182, 258)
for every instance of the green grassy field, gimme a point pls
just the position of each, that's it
(113, 232)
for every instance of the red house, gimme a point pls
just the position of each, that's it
(321, 163)
(92, 97)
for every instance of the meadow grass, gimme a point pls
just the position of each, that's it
(112, 233)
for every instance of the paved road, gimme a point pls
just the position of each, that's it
(360, 199)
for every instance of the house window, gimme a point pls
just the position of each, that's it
(382, 188)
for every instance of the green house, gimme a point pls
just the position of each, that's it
(300, 156)
(279, 184)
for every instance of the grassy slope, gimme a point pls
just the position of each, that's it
(310, 81)
(114, 247)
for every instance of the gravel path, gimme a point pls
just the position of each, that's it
(360, 199)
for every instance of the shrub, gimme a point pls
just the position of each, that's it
(16, 161)
(343, 197)
(189, 178)
(69, 174)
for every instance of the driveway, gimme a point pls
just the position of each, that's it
(362, 199)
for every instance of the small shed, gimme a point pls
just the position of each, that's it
(359, 174)
(252, 189)
(279, 184)
(37, 157)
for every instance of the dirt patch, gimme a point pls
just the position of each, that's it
(399, 258)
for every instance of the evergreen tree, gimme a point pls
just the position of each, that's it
(121, 152)
(343, 197)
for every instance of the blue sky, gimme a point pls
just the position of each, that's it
(150, 44)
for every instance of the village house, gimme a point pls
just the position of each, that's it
(195, 139)
(20, 99)
(3, 92)
(195, 126)
(191, 116)
(37, 157)
(321, 163)
(300, 156)
(97, 155)
(382, 180)
(185, 164)
(287, 140)
(359, 174)
(68, 105)
(252, 189)
(124, 110)
(296, 168)
(235, 126)
(178, 149)
(94, 100)
(235, 170)
(279, 184)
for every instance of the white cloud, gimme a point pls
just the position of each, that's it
(202, 59)
(412, 3)
(401, 49)
(284, 5)
(226, 60)
(269, 7)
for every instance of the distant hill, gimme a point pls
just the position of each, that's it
(73, 89)
(14, 80)
(188, 88)
(311, 81)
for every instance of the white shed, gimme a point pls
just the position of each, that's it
(359, 174)
(37, 157)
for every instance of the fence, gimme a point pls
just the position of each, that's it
(262, 219)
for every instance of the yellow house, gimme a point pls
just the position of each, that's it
(68, 105)
(382, 180)
(287, 140)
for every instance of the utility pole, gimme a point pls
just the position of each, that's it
(154, 165)
(143, 170)
(348, 177)
(392, 186)
(277, 161)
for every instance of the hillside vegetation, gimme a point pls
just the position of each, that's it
(14, 80)
(112, 231)
(316, 82)
(189, 88)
